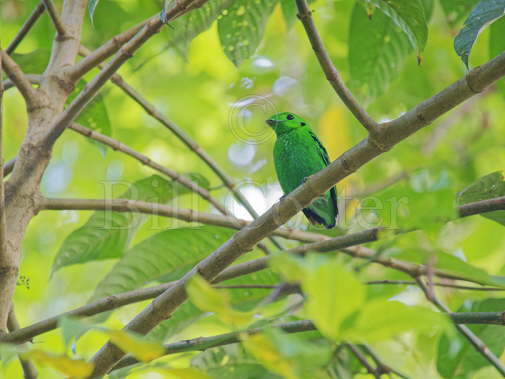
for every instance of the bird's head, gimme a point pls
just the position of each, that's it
(285, 122)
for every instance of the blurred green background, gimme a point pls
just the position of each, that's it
(223, 108)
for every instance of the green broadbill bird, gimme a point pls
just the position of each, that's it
(298, 154)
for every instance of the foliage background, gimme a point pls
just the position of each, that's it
(200, 89)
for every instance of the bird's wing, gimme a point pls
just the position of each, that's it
(326, 160)
(322, 149)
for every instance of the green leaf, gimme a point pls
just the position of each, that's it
(496, 37)
(429, 7)
(409, 16)
(169, 254)
(457, 357)
(34, 62)
(217, 301)
(288, 266)
(289, 11)
(75, 368)
(72, 328)
(106, 235)
(484, 13)
(290, 356)
(190, 25)
(95, 115)
(377, 50)
(91, 8)
(241, 26)
(456, 10)
(137, 345)
(382, 320)
(487, 187)
(333, 293)
(426, 202)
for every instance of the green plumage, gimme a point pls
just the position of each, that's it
(298, 154)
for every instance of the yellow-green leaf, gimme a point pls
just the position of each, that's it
(382, 319)
(181, 373)
(267, 354)
(75, 368)
(291, 268)
(137, 346)
(334, 293)
(212, 300)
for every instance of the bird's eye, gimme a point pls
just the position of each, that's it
(290, 116)
(302, 124)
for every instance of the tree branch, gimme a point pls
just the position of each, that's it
(188, 215)
(331, 73)
(362, 359)
(29, 370)
(438, 284)
(496, 318)
(144, 31)
(32, 78)
(5, 261)
(116, 145)
(204, 343)
(183, 137)
(477, 343)
(483, 206)
(381, 367)
(37, 12)
(51, 10)
(95, 58)
(118, 300)
(20, 80)
(8, 167)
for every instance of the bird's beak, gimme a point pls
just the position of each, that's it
(270, 122)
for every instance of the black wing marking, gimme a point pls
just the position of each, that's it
(326, 160)
(322, 149)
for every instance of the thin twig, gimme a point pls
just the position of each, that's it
(246, 286)
(476, 342)
(362, 359)
(95, 58)
(438, 284)
(125, 298)
(32, 78)
(332, 74)
(182, 136)
(483, 206)
(29, 370)
(3, 229)
(119, 146)
(51, 10)
(204, 343)
(8, 167)
(382, 368)
(20, 80)
(188, 215)
(37, 12)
